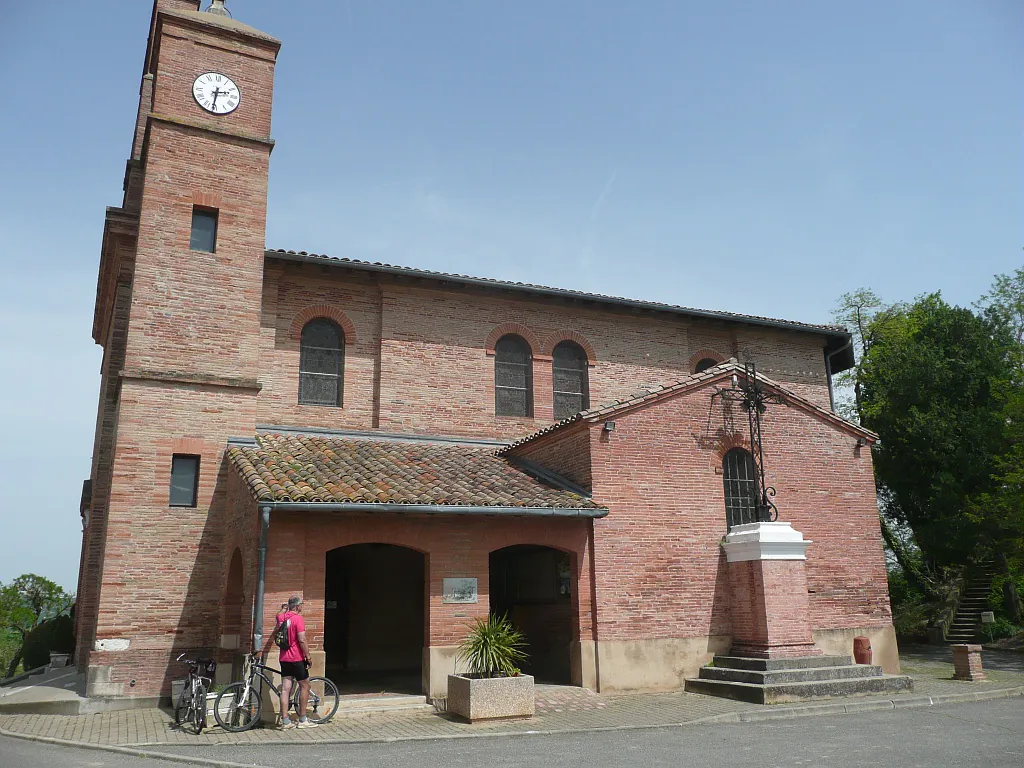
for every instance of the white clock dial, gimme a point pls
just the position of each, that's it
(216, 93)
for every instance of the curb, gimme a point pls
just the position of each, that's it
(131, 751)
(852, 707)
(728, 718)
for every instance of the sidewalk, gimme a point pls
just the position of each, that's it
(559, 709)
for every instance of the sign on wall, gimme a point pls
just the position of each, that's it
(459, 591)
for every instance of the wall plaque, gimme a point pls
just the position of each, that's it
(459, 591)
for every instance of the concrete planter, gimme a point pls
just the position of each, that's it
(490, 698)
(58, 660)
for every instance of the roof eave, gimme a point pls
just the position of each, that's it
(431, 509)
(480, 282)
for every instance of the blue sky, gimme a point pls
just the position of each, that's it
(753, 157)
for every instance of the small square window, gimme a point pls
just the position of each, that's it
(204, 230)
(184, 480)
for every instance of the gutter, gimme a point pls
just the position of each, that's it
(429, 509)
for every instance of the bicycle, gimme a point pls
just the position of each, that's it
(239, 706)
(190, 708)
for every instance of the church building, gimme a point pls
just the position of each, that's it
(410, 450)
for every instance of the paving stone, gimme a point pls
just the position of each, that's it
(559, 708)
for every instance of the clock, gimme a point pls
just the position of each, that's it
(216, 93)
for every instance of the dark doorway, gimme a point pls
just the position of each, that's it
(374, 618)
(532, 585)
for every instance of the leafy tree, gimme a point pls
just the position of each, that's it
(933, 380)
(25, 603)
(855, 310)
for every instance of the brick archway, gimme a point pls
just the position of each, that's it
(517, 329)
(705, 354)
(556, 338)
(325, 311)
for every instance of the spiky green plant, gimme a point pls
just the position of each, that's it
(493, 648)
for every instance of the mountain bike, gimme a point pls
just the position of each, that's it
(239, 706)
(190, 709)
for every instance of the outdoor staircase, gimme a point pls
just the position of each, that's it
(966, 624)
(774, 681)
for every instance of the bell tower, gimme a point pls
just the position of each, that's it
(178, 311)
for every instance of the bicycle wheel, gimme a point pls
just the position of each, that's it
(183, 708)
(323, 700)
(238, 708)
(199, 709)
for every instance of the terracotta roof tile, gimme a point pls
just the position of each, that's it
(314, 468)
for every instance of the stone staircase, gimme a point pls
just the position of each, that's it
(775, 681)
(973, 600)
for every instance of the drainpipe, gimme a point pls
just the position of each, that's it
(261, 578)
(593, 608)
(828, 371)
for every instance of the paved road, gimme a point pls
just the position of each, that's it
(16, 753)
(983, 734)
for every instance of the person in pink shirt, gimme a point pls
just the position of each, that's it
(295, 662)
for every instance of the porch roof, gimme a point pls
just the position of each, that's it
(311, 470)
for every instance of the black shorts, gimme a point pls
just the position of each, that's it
(296, 669)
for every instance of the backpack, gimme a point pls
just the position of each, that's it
(281, 635)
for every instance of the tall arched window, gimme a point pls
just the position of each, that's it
(321, 363)
(740, 489)
(513, 377)
(704, 364)
(570, 381)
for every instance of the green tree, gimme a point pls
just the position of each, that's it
(933, 381)
(25, 603)
(855, 310)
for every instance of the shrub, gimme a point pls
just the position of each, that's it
(911, 610)
(493, 648)
(56, 634)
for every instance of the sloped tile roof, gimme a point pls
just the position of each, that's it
(315, 468)
(378, 266)
(603, 412)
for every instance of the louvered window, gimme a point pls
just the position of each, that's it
(740, 489)
(513, 377)
(570, 381)
(321, 363)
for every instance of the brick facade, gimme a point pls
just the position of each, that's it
(200, 348)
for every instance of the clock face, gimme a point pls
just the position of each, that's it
(216, 93)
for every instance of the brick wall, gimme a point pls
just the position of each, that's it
(454, 546)
(660, 571)
(420, 359)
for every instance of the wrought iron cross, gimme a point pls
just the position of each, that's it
(754, 397)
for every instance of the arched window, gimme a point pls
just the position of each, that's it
(740, 489)
(513, 377)
(570, 382)
(704, 363)
(321, 363)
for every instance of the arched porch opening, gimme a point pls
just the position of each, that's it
(374, 618)
(532, 585)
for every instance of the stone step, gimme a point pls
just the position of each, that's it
(797, 662)
(802, 691)
(366, 705)
(773, 677)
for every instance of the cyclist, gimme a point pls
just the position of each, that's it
(290, 636)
